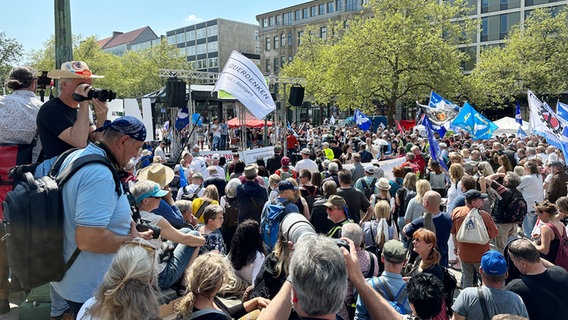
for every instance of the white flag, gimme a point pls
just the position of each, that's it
(332, 120)
(242, 79)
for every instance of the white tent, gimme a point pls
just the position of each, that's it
(508, 126)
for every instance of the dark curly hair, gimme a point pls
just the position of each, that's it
(246, 242)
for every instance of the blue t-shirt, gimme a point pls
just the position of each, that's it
(89, 200)
(170, 213)
(443, 223)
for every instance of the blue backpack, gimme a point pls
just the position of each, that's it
(393, 301)
(270, 222)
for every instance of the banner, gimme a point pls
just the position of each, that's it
(545, 123)
(478, 126)
(242, 79)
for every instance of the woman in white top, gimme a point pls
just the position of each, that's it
(129, 289)
(247, 251)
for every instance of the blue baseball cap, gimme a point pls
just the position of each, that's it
(127, 125)
(286, 185)
(493, 263)
(154, 192)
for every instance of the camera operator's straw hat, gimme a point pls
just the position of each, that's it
(72, 70)
(158, 173)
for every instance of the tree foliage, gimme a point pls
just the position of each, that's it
(130, 76)
(401, 51)
(534, 58)
(10, 52)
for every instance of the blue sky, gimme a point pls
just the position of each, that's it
(31, 22)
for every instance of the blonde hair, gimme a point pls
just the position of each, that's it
(456, 172)
(274, 180)
(422, 186)
(211, 193)
(205, 278)
(382, 210)
(129, 288)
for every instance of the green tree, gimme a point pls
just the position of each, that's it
(10, 52)
(534, 58)
(130, 76)
(400, 51)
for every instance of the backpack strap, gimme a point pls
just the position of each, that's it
(555, 230)
(371, 270)
(79, 163)
(483, 304)
(202, 209)
(364, 183)
(373, 184)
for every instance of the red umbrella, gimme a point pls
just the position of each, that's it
(250, 122)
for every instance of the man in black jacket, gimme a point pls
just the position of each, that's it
(251, 196)
(273, 163)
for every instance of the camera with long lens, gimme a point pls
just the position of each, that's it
(103, 95)
(145, 225)
(43, 81)
(294, 226)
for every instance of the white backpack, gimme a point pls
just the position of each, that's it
(473, 229)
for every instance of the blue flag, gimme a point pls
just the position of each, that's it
(196, 119)
(440, 110)
(562, 110)
(435, 151)
(478, 126)
(182, 178)
(521, 133)
(361, 120)
(182, 119)
(291, 129)
(518, 117)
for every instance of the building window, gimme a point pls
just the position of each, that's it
(330, 7)
(353, 5)
(535, 2)
(271, 21)
(338, 5)
(201, 48)
(276, 42)
(496, 27)
(305, 13)
(323, 32)
(172, 39)
(190, 35)
(181, 52)
(268, 65)
(278, 20)
(200, 33)
(283, 40)
(213, 46)
(314, 11)
(298, 15)
(289, 58)
(264, 23)
(322, 8)
(191, 50)
(180, 38)
(300, 34)
(212, 31)
(288, 18)
(282, 61)
(267, 44)
(289, 38)
(213, 62)
(276, 64)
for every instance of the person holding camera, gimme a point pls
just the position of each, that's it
(176, 254)
(63, 122)
(97, 218)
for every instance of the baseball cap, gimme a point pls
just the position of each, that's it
(216, 156)
(474, 194)
(285, 161)
(394, 251)
(335, 201)
(286, 185)
(154, 192)
(305, 151)
(370, 168)
(493, 263)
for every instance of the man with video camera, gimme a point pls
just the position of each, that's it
(63, 122)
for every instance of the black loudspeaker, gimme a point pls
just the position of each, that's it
(175, 93)
(296, 96)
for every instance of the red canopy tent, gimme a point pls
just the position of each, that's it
(250, 122)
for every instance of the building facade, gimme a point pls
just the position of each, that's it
(138, 39)
(280, 30)
(208, 45)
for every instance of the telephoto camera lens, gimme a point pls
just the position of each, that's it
(101, 94)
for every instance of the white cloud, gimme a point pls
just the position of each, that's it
(193, 19)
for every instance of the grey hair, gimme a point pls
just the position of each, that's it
(183, 205)
(315, 261)
(513, 179)
(61, 81)
(141, 187)
(352, 231)
(128, 290)
(231, 187)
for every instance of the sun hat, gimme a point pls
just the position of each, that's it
(370, 169)
(73, 70)
(154, 192)
(250, 172)
(127, 125)
(383, 184)
(158, 173)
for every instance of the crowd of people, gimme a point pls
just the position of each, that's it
(323, 233)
